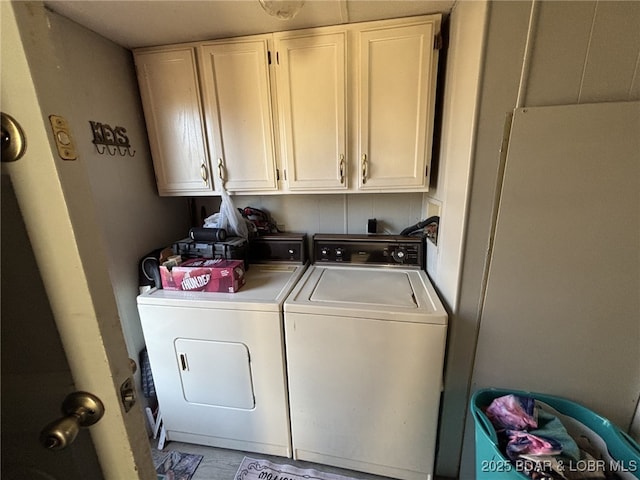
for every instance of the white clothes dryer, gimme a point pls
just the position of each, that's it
(365, 337)
(217, 359)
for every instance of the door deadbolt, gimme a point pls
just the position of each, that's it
(13, 140)
(80, 409)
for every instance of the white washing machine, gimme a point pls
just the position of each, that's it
(365, 338)
(217, 359)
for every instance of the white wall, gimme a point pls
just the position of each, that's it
(462, 82)
(332, 213)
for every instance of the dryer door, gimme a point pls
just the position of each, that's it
(215, 373)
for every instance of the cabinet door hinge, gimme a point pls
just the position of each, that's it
(437, 42)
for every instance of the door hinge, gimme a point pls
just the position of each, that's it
(437, 42)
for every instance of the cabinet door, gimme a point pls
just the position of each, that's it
(236, 89)
(311, 83)
(397, 78)
(172, 107)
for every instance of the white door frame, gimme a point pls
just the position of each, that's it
(73, 267)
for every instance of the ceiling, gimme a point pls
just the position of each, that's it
(140, 23)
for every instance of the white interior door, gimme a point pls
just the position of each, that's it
(62, 229)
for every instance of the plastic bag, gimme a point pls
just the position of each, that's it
(229, 217)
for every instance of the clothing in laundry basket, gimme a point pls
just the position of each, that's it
(530, 430)
(512, 412)
(536, 440)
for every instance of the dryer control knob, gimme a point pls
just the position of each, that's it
(399, 255)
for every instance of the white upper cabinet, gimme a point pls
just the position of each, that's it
(311, 90)
(170, 95)
(237, 99)
(396, 82)
(346, 108)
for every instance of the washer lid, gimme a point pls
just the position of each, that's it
(364, 292)
(357, 286)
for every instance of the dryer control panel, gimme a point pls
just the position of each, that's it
(389, 250)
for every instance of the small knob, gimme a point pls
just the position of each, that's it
(399, 255)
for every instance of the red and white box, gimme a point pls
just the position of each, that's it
(204, 275)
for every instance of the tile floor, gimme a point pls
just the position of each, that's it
(222, 464)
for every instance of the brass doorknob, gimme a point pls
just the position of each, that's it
(80, 409)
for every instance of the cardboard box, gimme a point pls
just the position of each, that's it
(204, 275)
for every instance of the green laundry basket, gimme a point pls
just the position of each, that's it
(491, 464)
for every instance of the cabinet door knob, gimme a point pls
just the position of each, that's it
(204, 173)
(341, 166)
(364, 168)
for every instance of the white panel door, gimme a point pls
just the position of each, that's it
(396, 88)
(311, 80)
(236, 90)
(170, 95)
